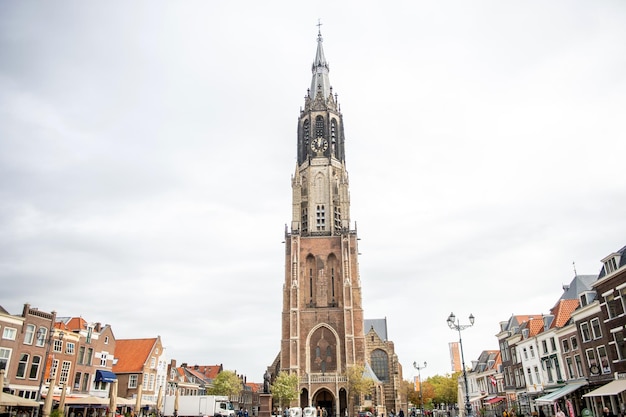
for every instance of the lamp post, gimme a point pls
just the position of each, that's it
(455, 324)
(419, 377)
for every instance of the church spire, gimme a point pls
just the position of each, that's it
(320, 83)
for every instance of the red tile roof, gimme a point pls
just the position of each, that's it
(132, 354)
(562, 312)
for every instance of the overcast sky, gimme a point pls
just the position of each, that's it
(147, 149)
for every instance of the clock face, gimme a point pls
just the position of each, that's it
(319, 144)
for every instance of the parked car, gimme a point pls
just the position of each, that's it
(365, 414)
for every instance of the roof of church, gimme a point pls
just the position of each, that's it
(320, 81)
(379, 326)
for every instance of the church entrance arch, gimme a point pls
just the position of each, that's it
(325, 400)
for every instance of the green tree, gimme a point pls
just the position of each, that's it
(225, 383)
(285, 388)
(445, 388)
(358, 384)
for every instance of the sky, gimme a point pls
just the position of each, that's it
(147, 149)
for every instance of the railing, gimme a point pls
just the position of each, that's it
(321, 378)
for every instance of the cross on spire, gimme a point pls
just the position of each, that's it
(319, 27)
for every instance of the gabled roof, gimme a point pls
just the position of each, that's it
(368, 372)
(254, 386)
(208, 371)
(534, 325)
(562, 312)
(132, 354)
(579, 284)
(379, 326)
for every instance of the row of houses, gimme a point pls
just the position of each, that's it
(40, 351)
(572, 358)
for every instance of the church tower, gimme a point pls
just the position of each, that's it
(322, 317)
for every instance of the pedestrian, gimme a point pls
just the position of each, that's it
(559, 412)
(607, 413)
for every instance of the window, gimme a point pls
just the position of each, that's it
(532, 351)
(304, 219)
(53, 370)
(565, 344)
(591, 362)
(41, 336)
(526, 355)
(610, 265)
(69, 348)
(89, 335)
(29, 334)
(9, 333)
(548, 364)
(65, 372)
(620, 345)
(614, 306)
(584, 331)
(151, 383)
(103, 358)
(544, 345)
(77, 381)
(595, 327)
(58, 346)
(337, 218)
(22, 365)
(574, 342)
(319, 127)
(537, 377)
(579, 365)
(553, 344)
(530, 376)
(152, 362)
(5, 355)
(132, 381)
(86, 379)
(106, 340)
(514, 354)
(81, 355)
(570, 367)
(320, 217)
(380, 364)
(34, 367)
(604, 360)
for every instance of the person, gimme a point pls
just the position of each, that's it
(541, 413)
(559, 412)
(607, 413)
(400, 413)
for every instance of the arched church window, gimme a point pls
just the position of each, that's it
(333, 131)
(306, 132)
(319, 127)
(380, 364)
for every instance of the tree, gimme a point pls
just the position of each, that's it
(225, 383)
(444, 388)
(358, 384)
(285, 388)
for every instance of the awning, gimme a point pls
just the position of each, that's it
(10, 400)
(612, 388)
(494, 400)
(105, 376)
(561, 392)
(477, 398)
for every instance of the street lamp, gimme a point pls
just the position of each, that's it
(419, 377)
(454, 324)
(46, 341)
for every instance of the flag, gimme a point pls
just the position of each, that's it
(493, 381)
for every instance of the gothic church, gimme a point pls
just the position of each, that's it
(323, 327)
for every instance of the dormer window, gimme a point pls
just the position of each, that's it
(611, 264)
(525, 333)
